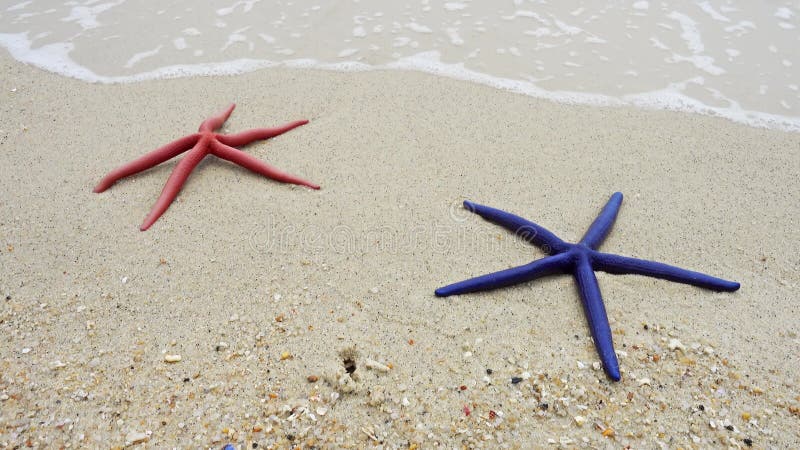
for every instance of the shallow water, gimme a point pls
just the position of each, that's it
(736, 59)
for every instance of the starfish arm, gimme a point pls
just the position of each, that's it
(526, 229)
(617, 264)
(602, 224)
(246, 137)
(508, 277)
(174, 185)
(597, 317)
(249, 162)
(147, 161)
(214, 122)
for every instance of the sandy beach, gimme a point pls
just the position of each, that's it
(307, 318)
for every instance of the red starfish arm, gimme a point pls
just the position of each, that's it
(174, 185)
(147, 161)
(257, 134)
(248, 162)
(214, 122)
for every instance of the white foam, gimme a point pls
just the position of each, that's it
(658, 44)
(539, 32)
(706, 6)
(247, 5)
(419, 28)
(359, 32)
(781, 13)
(455, 39)
(86, 16)
(641, 5)
(691, 35)
(690, 32)
(401, 41)
(19, 6)
(741, 28)
(52, 57)
(179, 43)
(567, 29)
(347, 52)
(142, 55)
(455, 6)
(527, 14)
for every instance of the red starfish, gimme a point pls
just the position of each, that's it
(202, 143)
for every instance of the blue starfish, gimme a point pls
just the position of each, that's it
(580, 259)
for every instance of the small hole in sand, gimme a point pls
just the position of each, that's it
(349, 365)
(349, 357)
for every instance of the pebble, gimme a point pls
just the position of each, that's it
(57, 364)
(221, 346)
(172, 358)
(675, 344)
(375, 365)
(580, 420)
(312, 379)
(374, 290)
(135, 438)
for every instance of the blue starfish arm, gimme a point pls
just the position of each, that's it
(599, 229)
(596, 316)
(617, 264)
(508, 277)
(531, 232)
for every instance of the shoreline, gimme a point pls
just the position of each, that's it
(394, 152)
(428, 63)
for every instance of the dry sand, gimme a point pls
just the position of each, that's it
(259, 285)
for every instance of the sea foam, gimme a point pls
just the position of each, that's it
(706, 57)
